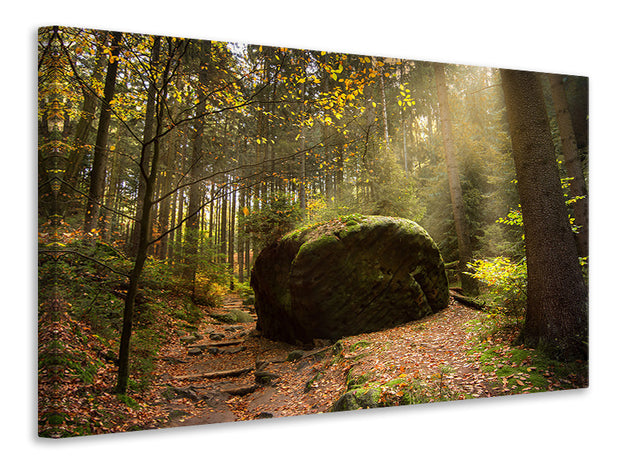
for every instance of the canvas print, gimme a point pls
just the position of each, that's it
(233, 232)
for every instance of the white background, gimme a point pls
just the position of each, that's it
(558, 36)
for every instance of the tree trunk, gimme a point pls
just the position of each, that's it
(456, 195)
(386, 133)
(87, 116)
(302, 155)
(231, 229)
(192, 229)
(224, 218)
(166, 204)
(97, 175)
(144, 232)
(241, 235)
(556, 317)
(572, 161)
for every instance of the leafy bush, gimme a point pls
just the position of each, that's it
(505, 281)
(278, 215)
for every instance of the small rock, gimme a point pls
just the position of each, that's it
(187, 339)
(232, 350)
(216, 336)
(194, 351)
(264, 415)
(188, 393)
(213, 350)
(265, 377)
(358, 399)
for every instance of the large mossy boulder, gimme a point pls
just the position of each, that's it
(351, 275)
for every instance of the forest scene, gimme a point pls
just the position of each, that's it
(233, 232)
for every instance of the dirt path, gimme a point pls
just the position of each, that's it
(230, 373)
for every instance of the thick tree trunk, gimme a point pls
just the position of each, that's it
(456, 195)
(578, 88)
(556, 317)
(97, 175)
(572, 161)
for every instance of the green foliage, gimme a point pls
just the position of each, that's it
(144, 347)
(497, 240)
(189, 313)
(514, 218)
(158, 275)
(234, 316)
(276, 216)
(519, 369)
(505, 281)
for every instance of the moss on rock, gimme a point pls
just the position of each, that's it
(346, 276)
(356, 399)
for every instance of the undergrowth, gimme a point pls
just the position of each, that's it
(81, 297)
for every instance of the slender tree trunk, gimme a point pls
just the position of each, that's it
(178, 241)
(172, 236)
(241, 236)
(223, 219)
(211, 214)
(110, 195)
(166, 204)
(386, 133)
(556, 317)
(405, 130)
(572, 161)
(87, 116)
(231, 229)
(456, 194)
(145, 227)
(192, 229)
(146, 159)
(97, 175)
(302, 155)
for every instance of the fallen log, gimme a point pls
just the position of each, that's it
(306, 354)
(230, 342)
(241, 390)
(466, 300)
(214, 374)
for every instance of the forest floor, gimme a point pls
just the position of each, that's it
(458, 353)
(224, 371)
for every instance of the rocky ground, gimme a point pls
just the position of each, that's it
(226, 372)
